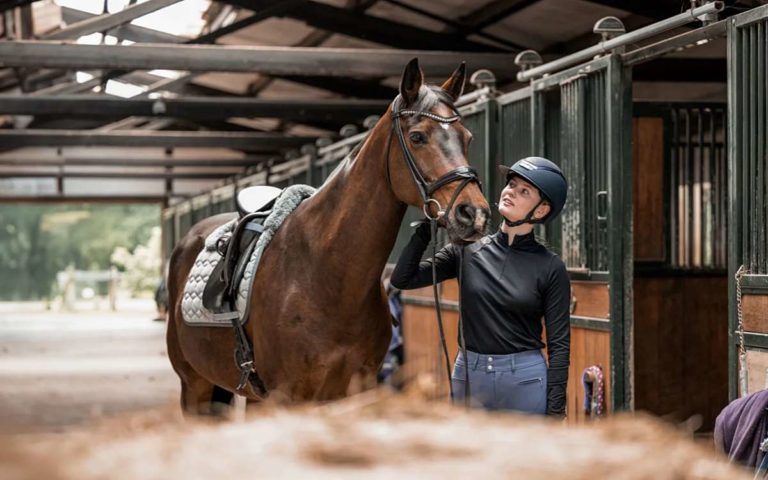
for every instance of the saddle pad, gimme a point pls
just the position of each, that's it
(192, 310)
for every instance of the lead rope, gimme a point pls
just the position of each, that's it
(740, 331)
(433, 225)
(463, 343)
(438, 309)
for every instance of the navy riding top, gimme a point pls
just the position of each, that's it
(506, 290)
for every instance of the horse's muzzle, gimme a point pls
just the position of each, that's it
(470, 222)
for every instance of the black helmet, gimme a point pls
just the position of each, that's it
(547, 177)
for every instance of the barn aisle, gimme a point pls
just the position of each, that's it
(60, 370)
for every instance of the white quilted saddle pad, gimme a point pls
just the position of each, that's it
(192, 309)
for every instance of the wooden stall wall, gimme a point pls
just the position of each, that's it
(681, 338)
(590, 343)
(648, 181)
(680, 316)
(423, 351)
(757, 369)
(754, 307)
(588, 347)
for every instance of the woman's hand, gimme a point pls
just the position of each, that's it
(423, 229)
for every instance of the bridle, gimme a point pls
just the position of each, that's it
(464, 174)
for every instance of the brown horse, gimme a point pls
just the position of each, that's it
(318, 314)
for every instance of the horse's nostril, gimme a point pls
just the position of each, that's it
(465, 214)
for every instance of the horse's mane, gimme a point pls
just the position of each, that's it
(442, 97)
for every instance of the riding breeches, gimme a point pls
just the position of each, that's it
(516, 381)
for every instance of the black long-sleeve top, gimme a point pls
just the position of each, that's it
(505, 292)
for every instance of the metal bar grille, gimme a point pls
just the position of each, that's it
(697, 187)
(169, 236)
(185, 223)
(223, 205)
(516, 124)
(572, 167)
(584, 160)
(750, 163)
(478, 149)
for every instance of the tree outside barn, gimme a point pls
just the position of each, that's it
(40, 240)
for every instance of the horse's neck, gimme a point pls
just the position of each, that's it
(357, 214)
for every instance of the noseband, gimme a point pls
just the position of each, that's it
(463, 174)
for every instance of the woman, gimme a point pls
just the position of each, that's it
(509, 282)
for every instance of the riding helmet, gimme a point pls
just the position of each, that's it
(547, 177)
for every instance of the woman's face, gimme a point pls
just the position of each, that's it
(518, 198)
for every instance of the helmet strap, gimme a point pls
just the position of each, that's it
(528, 218)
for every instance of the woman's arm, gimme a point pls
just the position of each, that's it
(410, 272)
(557, 301)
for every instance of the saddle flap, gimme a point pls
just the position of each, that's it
(256, 198)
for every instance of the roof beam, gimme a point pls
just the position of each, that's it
(127, 161)
(270, 60)
(494, 12)
(108, 21)
(654, 9)
(4, 6)
(350, 87)
(255, 142)
(130, 32)
(121, 174)
(211, 108)
(459, 26)
(209, 37)
(371, 28)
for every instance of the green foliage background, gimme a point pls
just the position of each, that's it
(38, 240)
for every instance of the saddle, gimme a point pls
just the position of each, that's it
(254, 204)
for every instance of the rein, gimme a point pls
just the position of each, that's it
(465, 175)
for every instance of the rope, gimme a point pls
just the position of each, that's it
(433, 225)
(740, 331)
(463, 343)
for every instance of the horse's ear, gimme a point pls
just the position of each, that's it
(411, 82)
(455, 85)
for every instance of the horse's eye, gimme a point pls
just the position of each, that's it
(418, 138)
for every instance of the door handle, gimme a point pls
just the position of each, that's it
(602, 206)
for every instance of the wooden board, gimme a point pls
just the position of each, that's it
(680, 346)
(757, 370)
(423, 352)
(755, 313)
(648, 178)
(591, 299)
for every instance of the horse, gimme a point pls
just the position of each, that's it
(318, 312)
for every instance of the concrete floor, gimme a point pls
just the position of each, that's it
(60, 370)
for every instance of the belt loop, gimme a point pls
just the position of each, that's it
(512, 360)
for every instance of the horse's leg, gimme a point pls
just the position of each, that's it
(222, 401)
(362, 381)
(197, 393)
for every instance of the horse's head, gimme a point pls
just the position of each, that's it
(427, 163)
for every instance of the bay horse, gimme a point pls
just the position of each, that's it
(318, 312)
